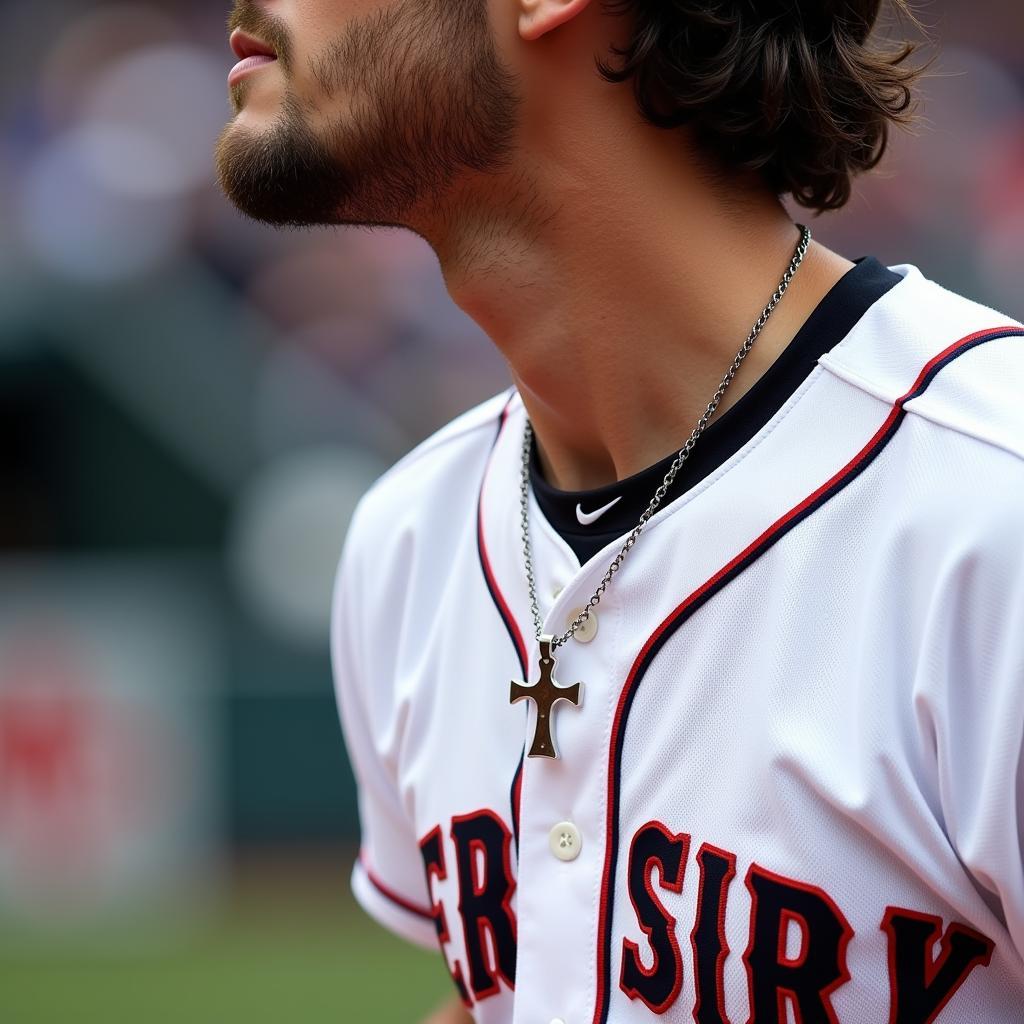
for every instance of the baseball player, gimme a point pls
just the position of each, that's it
(684, 679)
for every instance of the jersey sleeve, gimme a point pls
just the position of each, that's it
(978, 626)
(388, 879)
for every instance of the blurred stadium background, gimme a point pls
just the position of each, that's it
(189, 408)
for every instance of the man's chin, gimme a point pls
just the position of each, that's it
(278, 176)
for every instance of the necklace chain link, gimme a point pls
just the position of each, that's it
(662, 491)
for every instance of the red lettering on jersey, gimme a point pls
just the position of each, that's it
(658, 985)
(808, 980)
(432, 851)
(483, 848)
(710, 948)
(921, 985)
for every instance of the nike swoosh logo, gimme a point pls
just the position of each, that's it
(588, 518)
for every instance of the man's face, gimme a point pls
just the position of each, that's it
(372, 113)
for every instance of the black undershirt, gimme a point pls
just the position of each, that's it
(833, 318)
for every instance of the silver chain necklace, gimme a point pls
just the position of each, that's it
(659, 494)
(547, 691)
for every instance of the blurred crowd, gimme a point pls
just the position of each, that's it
(192, 405)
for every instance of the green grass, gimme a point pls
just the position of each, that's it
(290, 948)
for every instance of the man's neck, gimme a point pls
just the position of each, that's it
(620, 293)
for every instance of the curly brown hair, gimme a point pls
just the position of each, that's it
(794, 89)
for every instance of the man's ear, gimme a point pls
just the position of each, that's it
(538, 17)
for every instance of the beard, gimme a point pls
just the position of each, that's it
(427, 99)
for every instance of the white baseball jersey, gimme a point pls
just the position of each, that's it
(794, 789)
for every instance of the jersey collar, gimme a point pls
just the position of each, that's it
(589, 520)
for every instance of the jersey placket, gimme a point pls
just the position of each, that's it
(561, 823)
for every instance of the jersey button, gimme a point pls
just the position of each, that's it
(588, 630)
(565, 841)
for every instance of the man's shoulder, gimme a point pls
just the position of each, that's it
(942, 357)
(437, 478)
(473, 429)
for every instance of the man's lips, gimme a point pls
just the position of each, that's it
(252, 53)
(246, 45)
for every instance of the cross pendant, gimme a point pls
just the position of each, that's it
(546, 693)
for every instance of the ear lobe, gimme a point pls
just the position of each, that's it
(538, 17)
